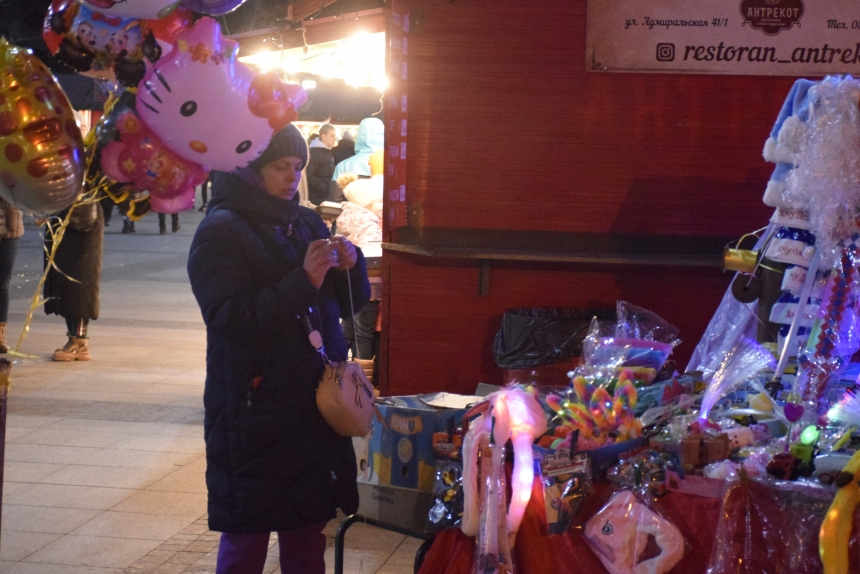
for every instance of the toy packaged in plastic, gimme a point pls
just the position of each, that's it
(640, 342)
(447, 508)
(448, 502)
(770, 528)
(620, 532)
(642, 339)
(645, 472)
(566, 482)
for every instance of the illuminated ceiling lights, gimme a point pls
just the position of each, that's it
(359, 61)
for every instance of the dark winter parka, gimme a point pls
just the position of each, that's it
(78, 256)
(272, 461)
(319, 172)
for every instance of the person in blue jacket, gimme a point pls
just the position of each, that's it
(260, 267)
(370, 139)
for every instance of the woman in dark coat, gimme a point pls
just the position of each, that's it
(78, 256)
(258, 263)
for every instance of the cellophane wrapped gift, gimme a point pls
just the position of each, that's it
(769, 528)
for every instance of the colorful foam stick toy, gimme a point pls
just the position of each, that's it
(598, 415)
(477, 437)
(514, 414)
(518, 416)
(836, 529)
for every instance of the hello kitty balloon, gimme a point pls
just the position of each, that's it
(209, 108)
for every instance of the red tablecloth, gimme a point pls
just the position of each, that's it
(759, 510)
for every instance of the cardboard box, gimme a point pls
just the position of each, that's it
(398, 451)
(401, 507)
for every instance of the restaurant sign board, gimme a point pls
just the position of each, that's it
(749, 37)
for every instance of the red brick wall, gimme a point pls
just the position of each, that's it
(507, 130)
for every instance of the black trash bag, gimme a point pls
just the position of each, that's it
(530, 337)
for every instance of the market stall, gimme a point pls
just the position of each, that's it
(746, 461)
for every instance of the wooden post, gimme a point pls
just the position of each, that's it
(5, 370)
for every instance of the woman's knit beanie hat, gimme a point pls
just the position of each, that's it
(285, 143)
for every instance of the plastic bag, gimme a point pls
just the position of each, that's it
(566, 482)
(644, 473)
(769, 528)
(620, 532)
(638, 323)
(731, 322)
(530, 337)
(627, 352)
(640, 339)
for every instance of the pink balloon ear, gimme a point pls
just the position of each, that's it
(274, 100)
(110, 162)
(205, 31)
(182, 202)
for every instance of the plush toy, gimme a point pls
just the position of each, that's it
(619, 535)
(740, 437)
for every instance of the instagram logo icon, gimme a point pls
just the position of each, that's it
(665, 52)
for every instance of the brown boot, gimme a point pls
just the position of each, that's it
(75, 350)
(4, 347)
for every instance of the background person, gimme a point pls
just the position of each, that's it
(370, 139)
(258, 262)
(11, 230)
(361, 222)
(78, 256)
(174, 223)
(321, 164)
(345, 148)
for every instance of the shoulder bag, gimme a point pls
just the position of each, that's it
(344, 395)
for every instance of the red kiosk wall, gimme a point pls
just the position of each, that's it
(508, 130)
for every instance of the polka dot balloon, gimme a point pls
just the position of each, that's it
(41, 149)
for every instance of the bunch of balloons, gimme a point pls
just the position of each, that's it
(187, 106)
(197, 108)
(111, 38)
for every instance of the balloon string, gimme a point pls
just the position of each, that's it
(89, 195)
(57, 232)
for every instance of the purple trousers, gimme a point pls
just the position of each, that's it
(301, 551)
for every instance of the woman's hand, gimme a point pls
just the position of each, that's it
(321, 256)
(346, 252)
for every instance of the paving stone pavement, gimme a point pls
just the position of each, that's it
(105, 460)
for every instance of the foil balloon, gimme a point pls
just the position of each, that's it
(270, 98)
(140, 157)
(212, 7)
(182, 202)
(144, 9)
(108, 130)
(98, 44)
(166, 29)
(196, 100)
(41, 148)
